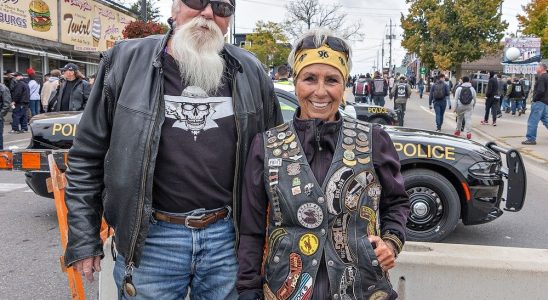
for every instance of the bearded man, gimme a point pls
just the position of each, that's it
(159, 153)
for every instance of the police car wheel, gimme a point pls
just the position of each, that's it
(435, 205)
(378, 120)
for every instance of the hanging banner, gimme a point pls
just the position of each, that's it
(520, 68)
(91, 26)
(36, 18)
(521, 50)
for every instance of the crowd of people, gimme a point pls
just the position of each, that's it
(503, 95)
(62, 90)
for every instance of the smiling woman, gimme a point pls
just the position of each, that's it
(330, 188)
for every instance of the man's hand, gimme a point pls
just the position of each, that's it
(87, 266)
(384, 252)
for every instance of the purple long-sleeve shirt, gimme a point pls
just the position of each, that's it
(394, 202)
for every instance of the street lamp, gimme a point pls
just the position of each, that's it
(144, 10)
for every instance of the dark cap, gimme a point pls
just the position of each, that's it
(17, 74)
(70, 67)
(8, 71)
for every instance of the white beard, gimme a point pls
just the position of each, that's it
(197, 53)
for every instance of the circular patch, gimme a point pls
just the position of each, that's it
(308, 244)
(293, 145)
(349, 163)
(379, 295)
(362, 143)
(281, 136)
(277, 152)
(349, 132)
(348, 141)
(271, 140)
(285, 147)
(349, 155)
(310, 215)
(348, 147)
(362, 149)
(362, 136)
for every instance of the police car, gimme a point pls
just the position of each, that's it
(448, 179)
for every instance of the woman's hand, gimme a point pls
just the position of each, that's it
(384, 252)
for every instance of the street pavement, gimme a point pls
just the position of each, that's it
(29, 264)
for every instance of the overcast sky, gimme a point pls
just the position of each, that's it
(375, 16)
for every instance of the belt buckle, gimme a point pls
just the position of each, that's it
(188, 218)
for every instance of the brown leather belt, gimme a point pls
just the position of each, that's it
(193, 222)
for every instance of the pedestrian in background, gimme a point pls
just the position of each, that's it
(539, 105)
(526, 84)
(420, 85)
(401, 93)
(506, 99)
(516, 94)
(34, 88)
(361, 90)
(49, 89)
(490, 101)
(465, 101)
(20, 98)
(500, 94)
(5, 102)
(73, 94)
(438, 98)
(380, 89)
(9, 80)
(449, 84)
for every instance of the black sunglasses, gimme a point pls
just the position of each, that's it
(333, 43)
(220, 8)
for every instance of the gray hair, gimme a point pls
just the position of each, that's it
(320, 36)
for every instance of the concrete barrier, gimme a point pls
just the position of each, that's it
(454, 271)
(427, 271)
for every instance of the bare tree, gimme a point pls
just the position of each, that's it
(304, 15)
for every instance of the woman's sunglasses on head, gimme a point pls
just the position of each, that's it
(333, 43)
(220, 8)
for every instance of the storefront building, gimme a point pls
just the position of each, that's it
(47, 34)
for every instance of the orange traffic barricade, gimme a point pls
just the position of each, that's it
(56, 184)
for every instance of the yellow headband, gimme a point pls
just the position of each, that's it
(322, 55)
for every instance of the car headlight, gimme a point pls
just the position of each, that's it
(485, 168)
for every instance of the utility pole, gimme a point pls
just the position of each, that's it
(144, 10)
(390, 55)
(382, 56)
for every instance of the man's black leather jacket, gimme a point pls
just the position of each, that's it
(78, 96)
(111, 163)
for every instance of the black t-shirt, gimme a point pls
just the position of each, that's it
(196, 157)
(65, 101)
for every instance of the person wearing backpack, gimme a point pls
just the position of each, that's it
(438, 92)
(361, 90)
(516, 94)
(401, 93)
(379, 89)
(491, 103)
(465, 101)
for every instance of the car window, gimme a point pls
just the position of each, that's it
(288, 108)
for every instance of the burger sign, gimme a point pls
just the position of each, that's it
(30, 17)
(40, 19)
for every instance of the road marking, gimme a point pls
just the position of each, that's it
(8, 187)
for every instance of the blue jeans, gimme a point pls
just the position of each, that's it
(505, 103)
(516, 104)
(539, 112)
(19, 116)
(439, 108)
(176, 258)
(378, 100)
(34, 107)
(421, 91)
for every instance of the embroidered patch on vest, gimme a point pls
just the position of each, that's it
(309, 243)
(339, 238)
(295, 269)
(346, 285)
(304, 290)
(274, 240)
(379, 295)
(310, 215)
(335, 187)
(368, 214)
(268, 294)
